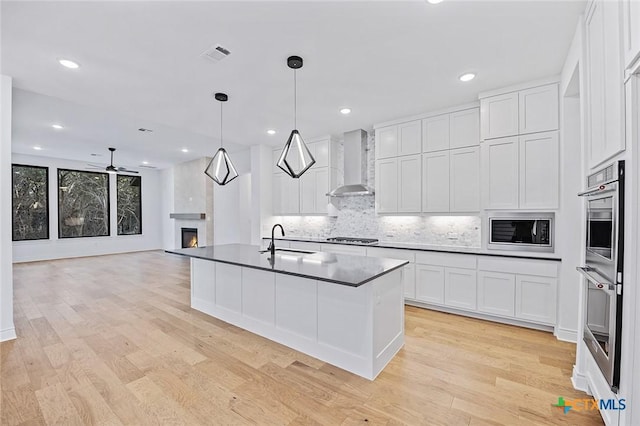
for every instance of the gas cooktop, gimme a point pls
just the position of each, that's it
(355, 240)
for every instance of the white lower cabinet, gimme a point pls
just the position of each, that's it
(408, 272)
(430, 284)
(460, 288)
(497, 293)
(536, 299)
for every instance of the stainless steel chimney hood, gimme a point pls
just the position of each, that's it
(355, 166)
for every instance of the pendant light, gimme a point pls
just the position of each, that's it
(220, 168)
(296, 157)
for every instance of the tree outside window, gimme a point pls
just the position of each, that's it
(83, 204)
(30, 202)
(129, 205)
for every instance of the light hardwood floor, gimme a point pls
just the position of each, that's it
(112, 340)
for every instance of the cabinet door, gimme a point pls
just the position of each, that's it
(409, 183)
(409, 281)
(320, 191)
(460, 288)
(387, 142)
(496, 293)
(464, 128)
(320, 151)
(278, 186)
(539, 171)
(536, 299)
(604, 83)
(464, 181)
(539, 109)
(410, 138)
(291, 195)
(435, 182)
(430, 284)
(387, 185)
(308, 192)
(500, 173)
(435, 133)
(631, 31)
(499, 116)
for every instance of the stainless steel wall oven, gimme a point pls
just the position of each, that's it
(603, 269)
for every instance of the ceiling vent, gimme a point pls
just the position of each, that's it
(215, 53)
(145, 166)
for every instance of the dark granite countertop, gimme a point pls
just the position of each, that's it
(336, 268)
(426, 247)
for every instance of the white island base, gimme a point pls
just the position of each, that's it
(358, 329)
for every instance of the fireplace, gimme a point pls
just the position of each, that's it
(189, 237)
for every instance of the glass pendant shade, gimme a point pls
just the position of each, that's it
(221, 169)
(295, 158)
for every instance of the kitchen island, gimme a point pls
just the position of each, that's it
(344, 310)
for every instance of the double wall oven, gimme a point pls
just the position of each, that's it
(603, 268)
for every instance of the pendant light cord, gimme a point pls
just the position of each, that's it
(221, 142)
(295, 100)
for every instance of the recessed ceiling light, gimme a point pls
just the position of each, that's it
(271, 132)
(57, 126)
(145, 162)
(69, 64)
(434, 1)
(185, 150)
(345, 111)
(467, 76)
(37, 148)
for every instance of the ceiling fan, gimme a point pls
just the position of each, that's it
(111, 168)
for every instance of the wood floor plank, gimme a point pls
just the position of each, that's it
(113, 340)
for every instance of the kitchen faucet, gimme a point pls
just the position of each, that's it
(272, 246)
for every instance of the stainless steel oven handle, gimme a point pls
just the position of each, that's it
(596, 279)
(605, 187)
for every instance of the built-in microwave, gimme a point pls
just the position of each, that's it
(521, 231)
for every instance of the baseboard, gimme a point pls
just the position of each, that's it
(580, 381)
(7, 334)
(566, 335)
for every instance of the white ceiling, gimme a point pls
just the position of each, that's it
(140, 66)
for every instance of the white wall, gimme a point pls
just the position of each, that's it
(7, 330)
(168, 228)
(261, 191)
(232, 204)
(54, 248)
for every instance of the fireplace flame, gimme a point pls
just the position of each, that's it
(193, 242)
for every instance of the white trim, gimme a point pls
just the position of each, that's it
(478, 315)
(521, 86)
(566, 335)
(7, 334)
(580, 382)
(471, 105)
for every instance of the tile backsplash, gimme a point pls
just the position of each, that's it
(356, 217)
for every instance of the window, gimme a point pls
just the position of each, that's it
(129, 205)
(83, 204)
(30, 202)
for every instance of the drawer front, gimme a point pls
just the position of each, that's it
(453, 260)
(391, 253)
(543, 268)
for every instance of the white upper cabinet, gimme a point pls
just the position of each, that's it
(320, 152)
(409, 138)
(398, 184)
(539, 171)
(435, 133)
(387, 185)
(314, 185)
(464, 128)
(500, 166)
(538, 109)
(631, 31)
(286, 194)
(400, 139)
(464, 180)
(605, 99)
(409, 178)
(499, 116)
(387, 142)
(520, 112)
(435, 182)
